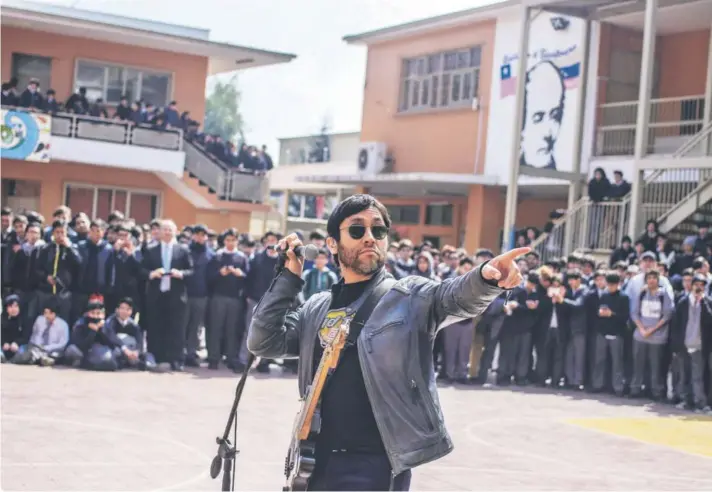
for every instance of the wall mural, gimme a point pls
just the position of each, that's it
(551, 110)
(26, 136)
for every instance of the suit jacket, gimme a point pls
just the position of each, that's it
(180, 260)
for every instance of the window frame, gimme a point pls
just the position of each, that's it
(113, 188)
(141, 69)
(443, 205)
(407, 82)
(400, 207)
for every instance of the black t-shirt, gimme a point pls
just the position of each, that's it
(348, 422)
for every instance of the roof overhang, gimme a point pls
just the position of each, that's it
(223, 57)
(453, 19)
(603, 10)
(438, 184)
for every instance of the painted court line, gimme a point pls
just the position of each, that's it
(690, 435)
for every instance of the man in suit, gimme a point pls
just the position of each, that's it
(166, 264)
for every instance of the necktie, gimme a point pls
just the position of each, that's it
(45, 335)
(166, 280)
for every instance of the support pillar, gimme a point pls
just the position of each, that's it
(708, 97)
(642, 123)
(512, 187)
(575, 186)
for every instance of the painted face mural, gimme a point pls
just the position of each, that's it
(543, 112)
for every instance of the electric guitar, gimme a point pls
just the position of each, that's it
(300, 461)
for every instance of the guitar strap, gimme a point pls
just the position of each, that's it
(369, 304)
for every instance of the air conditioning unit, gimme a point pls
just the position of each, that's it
(372, 157)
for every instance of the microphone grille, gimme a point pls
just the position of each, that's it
(311, 252)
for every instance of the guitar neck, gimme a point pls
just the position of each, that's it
(328, 361)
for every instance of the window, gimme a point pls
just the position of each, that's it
(26, 67)
(110, 82)
(305, 206)
(404, 214)
(99, 202)
(438, 215)
(434, 240)
(440, 80)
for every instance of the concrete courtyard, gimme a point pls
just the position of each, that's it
(65, 429)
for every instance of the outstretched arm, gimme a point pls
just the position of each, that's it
(467, 296)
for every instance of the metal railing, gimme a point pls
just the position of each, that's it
(672, 121)
(227, 184)
(114, 131)
(594, 226)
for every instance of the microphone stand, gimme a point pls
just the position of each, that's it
(225, 457)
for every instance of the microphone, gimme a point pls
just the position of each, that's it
(308, 252)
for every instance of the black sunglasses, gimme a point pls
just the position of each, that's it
(357, 231)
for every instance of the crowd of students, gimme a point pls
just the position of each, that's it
(118, 294)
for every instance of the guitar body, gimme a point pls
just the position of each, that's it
(301, 458)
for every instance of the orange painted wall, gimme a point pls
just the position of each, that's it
(443, 140)
(189, 72)
(55, 175)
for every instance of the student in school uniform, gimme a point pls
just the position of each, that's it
(50, 335)
(691, 339)
(576, 318)
(516, 340)
(650, 312)
(609, 328)
(592, 302)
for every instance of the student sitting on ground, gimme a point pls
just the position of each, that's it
(96, 344)
(127, 335)
(12, 329)
(50, 335)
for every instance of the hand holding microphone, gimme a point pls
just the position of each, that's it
(291, 247)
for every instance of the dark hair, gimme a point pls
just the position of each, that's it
(613, 278)
(98, 223)
(533, 278)
(126, 300)
(323, 251)
(52, 304)
(229, 232)
(351, 206)
(575, 274)
(599, 273)
(6, 211)
(92, 305)
(467, 260)
(155, 223)
(688, 272)
(484, 252)
(652, 273)
(19, 218)
(58, 223)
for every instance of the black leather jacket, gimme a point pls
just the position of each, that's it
(394, 347)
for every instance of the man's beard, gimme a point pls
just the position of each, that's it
(350, 258)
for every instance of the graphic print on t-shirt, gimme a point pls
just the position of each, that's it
(651, 308)
(332, 323)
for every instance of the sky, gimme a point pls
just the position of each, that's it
(323, 84)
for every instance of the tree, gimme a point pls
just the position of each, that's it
(319, 150)
(222, 110)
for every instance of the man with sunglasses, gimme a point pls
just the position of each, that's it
(380, 414)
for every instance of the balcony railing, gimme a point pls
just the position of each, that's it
(227, 184)
(113, 131)
(672, 121)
